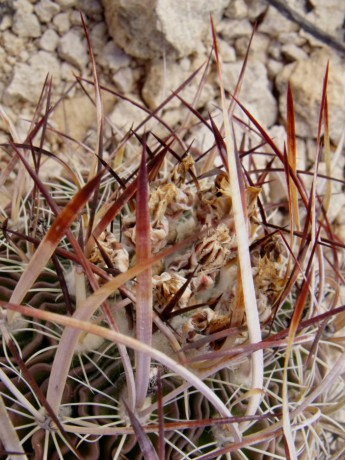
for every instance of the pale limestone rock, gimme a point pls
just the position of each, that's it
(327, 16)
(306, 78)
(237, 9)
(72, 48)
(311, 149)
(11, 60)
(62, 23)
(279, 136)
(81, 115)
(256, 8)
(92, 8)
(2, 57)
(277, 186)
(258, 47)
(7, 69)
(67, 3)
(163, 78)
(340, 232)
(23, 6)
(274, 50)
(292, 52)
(226, 51)
(49, 40)
(12, 43)
(113, 58)
(201, 138)
(150, 29)
(126, 116)
(230, 29)
(98, 37)
(25, 22)
(6, 8)
(255, 92)
(46, 9)
(24, 56)
(273, 68)
(74, 18)
(275, 23)
(68, 72)
(172, 118)
(294, 38)
(28, 78)
(337, 204)
(44, 61)
(123, 80)
(6, 22)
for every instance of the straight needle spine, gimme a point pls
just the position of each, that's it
(144, 283)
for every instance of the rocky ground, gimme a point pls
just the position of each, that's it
(146, 49)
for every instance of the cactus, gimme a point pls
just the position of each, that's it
(160, 301)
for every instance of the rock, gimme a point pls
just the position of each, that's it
(28, 78)
(201, 138)
(126, 116)
(11, 60)
(81, 115)
(62, 23)
(327, 16)
(72, 48)
(150, 29)
(6, 8)
(49, 40)
(306, 78)
(340, 232)
(98, 37)
(335, 210)
(123, 80)
(74, 18)
(277, 185)
(68, 73)
(258, 47)
(6, 22)
(292, 38)
(2, 58)
(292, 52)
(256, 8)
(25, 23)
(255, 92)
(311, 150)
(279, 136)
(113, 58)
(227, 52)
(230, 29)
(24, 56)
(12, 43)
(6, 70)
(275, 23)
(92, 8)
(274, 50)
(163, 78)
(47, 62)
(67, 3)
(237, 9)
(273, 68)
(46, 9)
